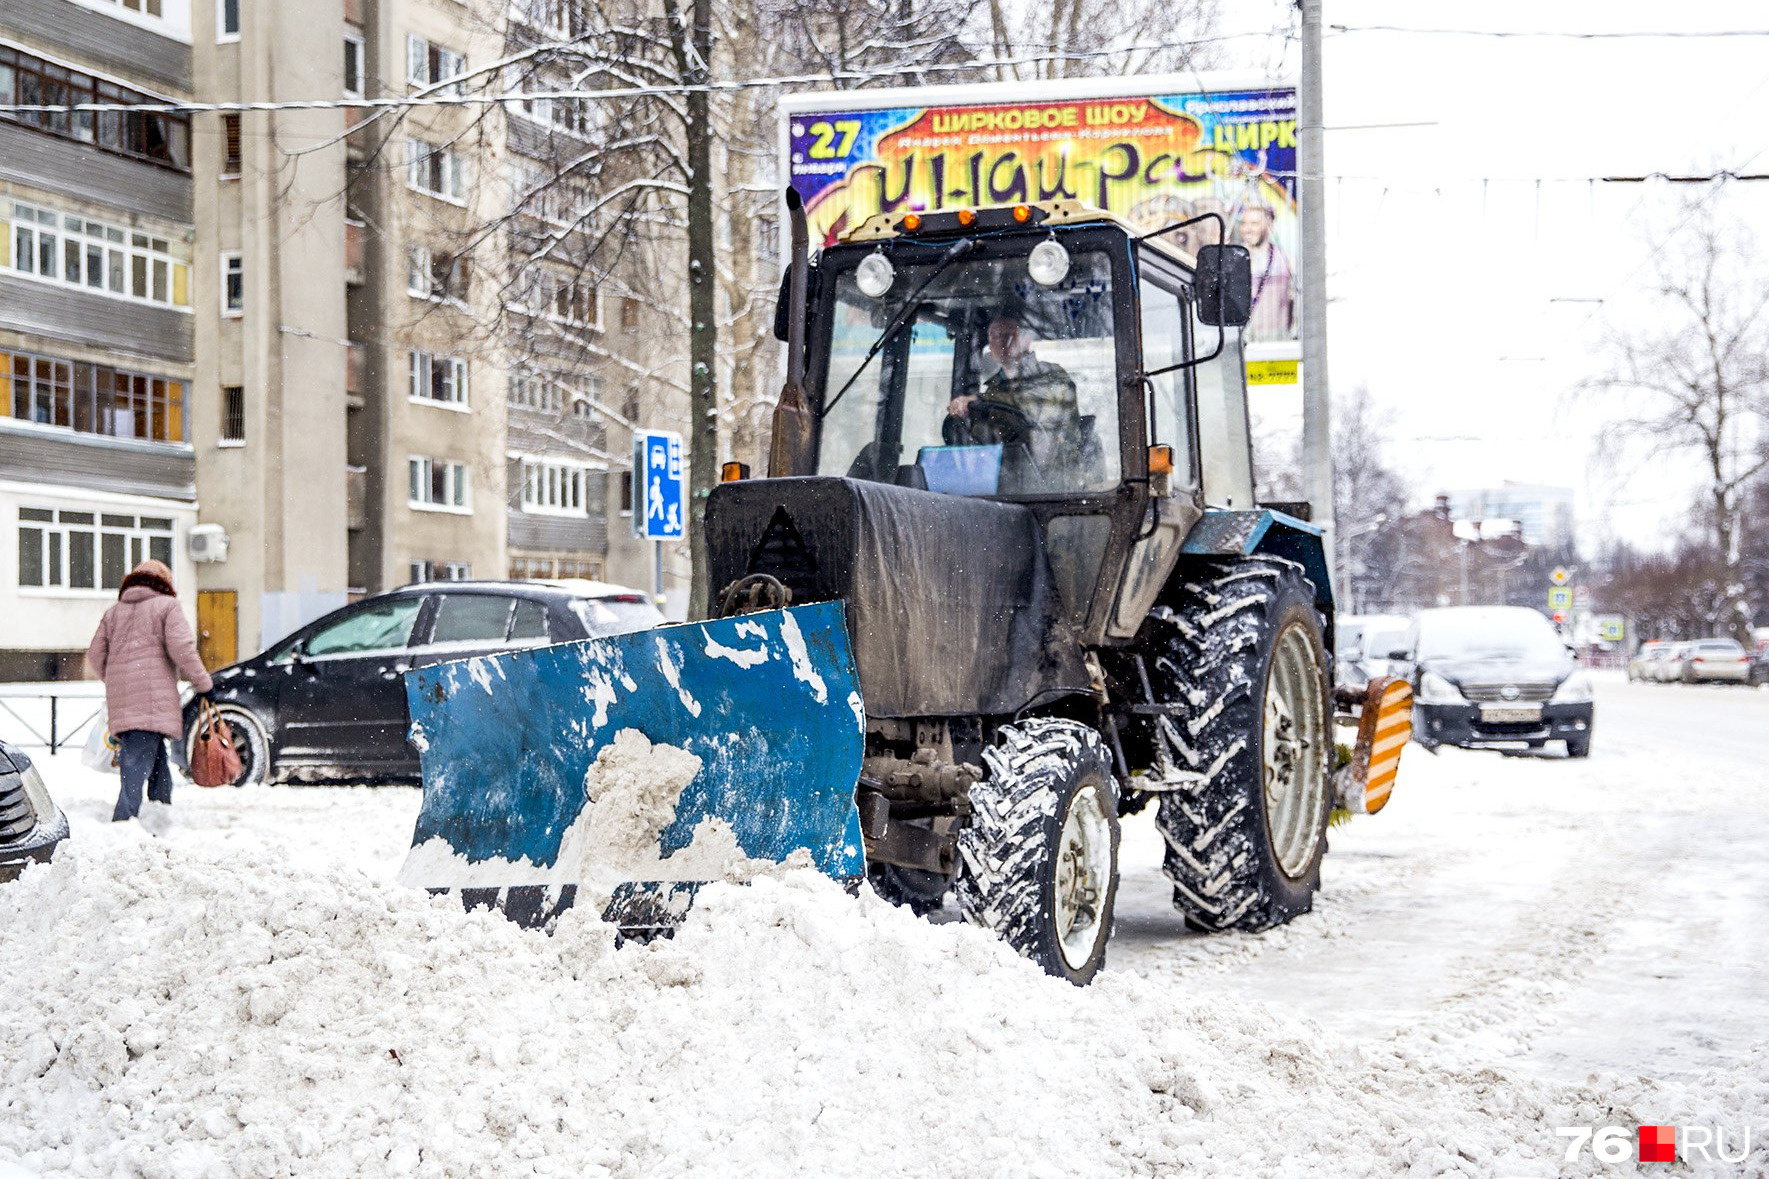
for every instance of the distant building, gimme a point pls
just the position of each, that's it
(1543, 514)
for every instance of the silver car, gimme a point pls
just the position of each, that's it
(1709, 661)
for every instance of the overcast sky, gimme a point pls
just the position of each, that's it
(1466, 255)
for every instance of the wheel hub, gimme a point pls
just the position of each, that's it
(1083, 868)
(1294, 734)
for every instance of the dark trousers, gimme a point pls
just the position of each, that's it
(141, 760)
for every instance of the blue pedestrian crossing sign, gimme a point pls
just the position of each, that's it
(657, 466)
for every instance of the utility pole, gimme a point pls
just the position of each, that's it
(1311, 193)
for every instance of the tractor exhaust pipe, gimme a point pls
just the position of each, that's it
(789, 450)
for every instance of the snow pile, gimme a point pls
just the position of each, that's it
(172, 1013)
(631, 795)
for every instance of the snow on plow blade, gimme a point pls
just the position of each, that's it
(1385, 721)
(768, 703)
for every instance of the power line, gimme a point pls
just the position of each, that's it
(734, 85)
(1673, 34)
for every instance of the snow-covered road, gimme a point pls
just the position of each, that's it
(1515, 945)
(1560, 916)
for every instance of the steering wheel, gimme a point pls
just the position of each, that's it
(988, 422)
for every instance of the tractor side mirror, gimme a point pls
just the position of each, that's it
(1225, 286)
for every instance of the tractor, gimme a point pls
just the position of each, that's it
(1008, 554)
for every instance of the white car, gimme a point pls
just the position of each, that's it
(1363, 644)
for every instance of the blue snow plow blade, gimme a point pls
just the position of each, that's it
(769, 702)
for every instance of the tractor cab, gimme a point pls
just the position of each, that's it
(1047, 355)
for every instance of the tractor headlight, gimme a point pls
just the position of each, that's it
(1574, 689)
(1048, 263)
(874, 275)
(1434, 689)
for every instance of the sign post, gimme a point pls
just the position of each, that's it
(662, 491)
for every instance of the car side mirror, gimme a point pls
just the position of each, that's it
(1225, 286)
(1401, 655)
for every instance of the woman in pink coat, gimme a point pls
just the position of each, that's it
(141, 646)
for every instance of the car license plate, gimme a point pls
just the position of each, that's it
(1510, 714)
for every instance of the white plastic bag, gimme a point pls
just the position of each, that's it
(101, 748)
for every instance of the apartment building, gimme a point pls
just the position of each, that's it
(99, 299)
(305, 354)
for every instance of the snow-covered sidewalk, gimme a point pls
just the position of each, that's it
(249, 995)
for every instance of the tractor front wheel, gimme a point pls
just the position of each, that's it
(1038, 863)
(1239, 650)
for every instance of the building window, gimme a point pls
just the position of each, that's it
(230, 143)
(430, 275)
(86, 550)
(227, 14)
(428, 64)
(575, 302)
(233, 284)
(554, 488)
(440, 571)
(438, 171)
(626, 493)
(153, 136)
(629, 314)
(562, 18)
(439, 484)
(144, 7)
(546, 568)
(539, 190)
(438, 378)
(567, 299)
(353, 65)
(567, 114)
(96, 256)
(529, 390)
(233, 415)
(91, 398)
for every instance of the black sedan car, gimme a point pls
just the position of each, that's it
(1496, 677)
(327, 703)
(31, 825)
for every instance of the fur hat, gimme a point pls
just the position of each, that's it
(151, 573)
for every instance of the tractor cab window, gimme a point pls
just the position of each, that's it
(994, 385)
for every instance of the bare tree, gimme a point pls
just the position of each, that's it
(1369, 497)
(1090, 38)
(1701, 377)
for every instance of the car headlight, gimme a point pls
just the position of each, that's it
(1434, 689)
(1574, 689)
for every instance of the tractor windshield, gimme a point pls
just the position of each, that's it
(995, 385)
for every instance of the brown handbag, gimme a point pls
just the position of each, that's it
(213, 760)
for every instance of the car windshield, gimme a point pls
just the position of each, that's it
(1381, 642)
(995, 386)
(1488, 634)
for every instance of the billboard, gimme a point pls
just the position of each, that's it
(1152, 150)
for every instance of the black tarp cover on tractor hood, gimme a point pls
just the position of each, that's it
(950, 602)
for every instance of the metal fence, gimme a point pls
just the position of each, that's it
(49, 716)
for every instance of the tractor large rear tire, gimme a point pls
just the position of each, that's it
(1038, 863)
(1241, 648)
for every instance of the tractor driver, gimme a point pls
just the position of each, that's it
(1030, 407)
